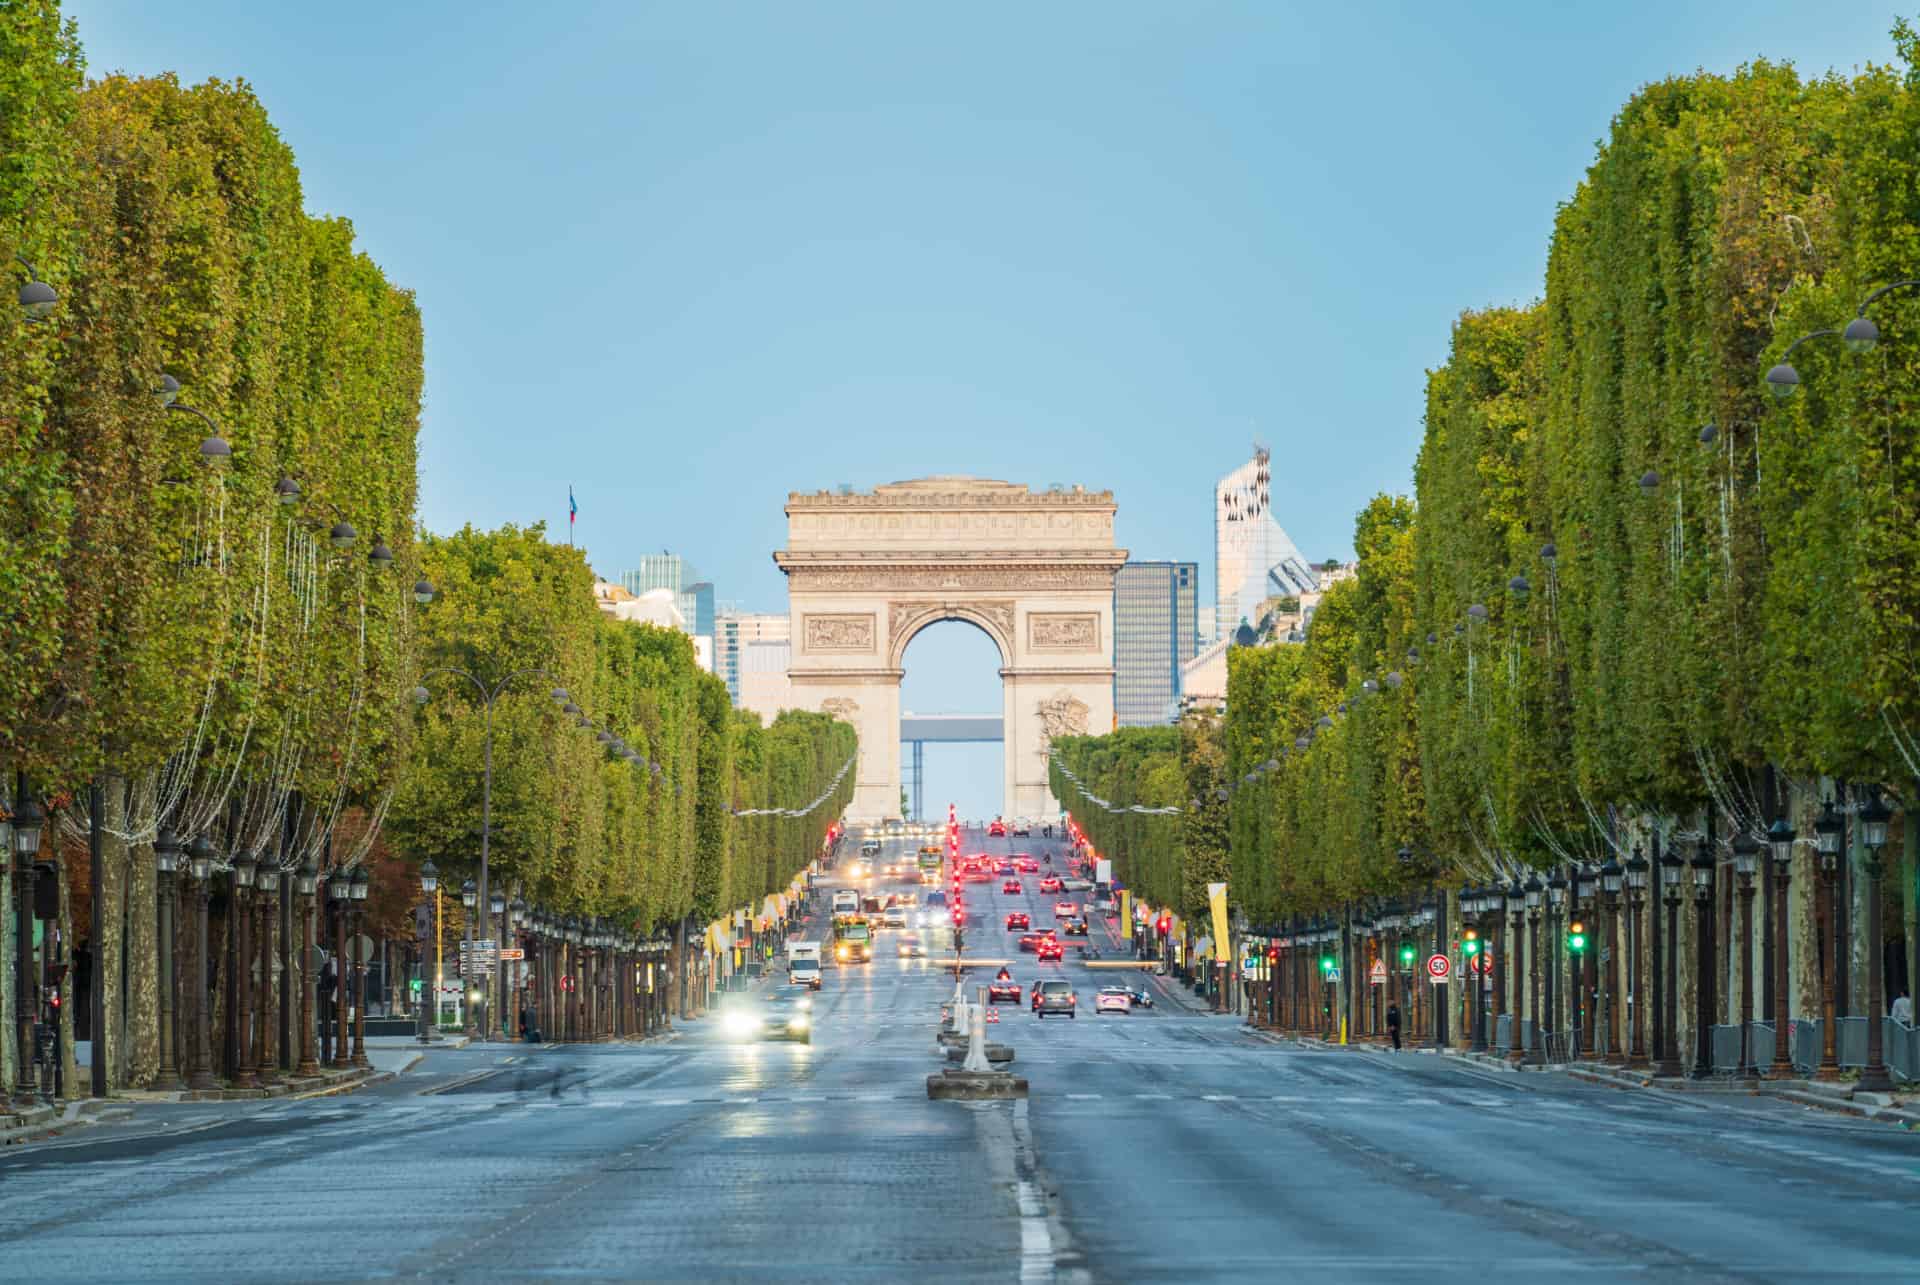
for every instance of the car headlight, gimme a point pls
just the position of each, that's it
(799, 1022)
(804, 1002)
(738, 1023)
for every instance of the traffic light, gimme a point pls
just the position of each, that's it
(414, 987)
(1577, 937)
(1165, 925)
(1470, 944)
(1326, 965)
(1273, 954)
(1406, 954)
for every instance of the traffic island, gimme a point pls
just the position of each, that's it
(995, 1053)
(975, 1086)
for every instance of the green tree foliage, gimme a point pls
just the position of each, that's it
(581, 828)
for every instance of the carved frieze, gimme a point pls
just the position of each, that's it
(988, 579)
(1063, 631)
(903, 618)
(837, 633)
(1062, 714)
(844, 708)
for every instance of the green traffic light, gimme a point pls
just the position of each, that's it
(1326, 963)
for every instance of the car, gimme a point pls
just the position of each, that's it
(1022, 828)
(784, 1013)
(1050, 884)
(907, 946)
(1031, 942)
(1026, 865)
(1113, 999)
(1075, 928)
(896, 917)
(1050, 949)
(1010, 885)
(1055, 995)
(1018, 919)
(1065, 910)
(996, 830)
(1003, 991)
(1004, 866)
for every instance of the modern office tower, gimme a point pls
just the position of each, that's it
(1254, 559)
(1154, 634)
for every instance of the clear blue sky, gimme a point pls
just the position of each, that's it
(688, 257)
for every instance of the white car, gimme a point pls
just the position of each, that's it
(1113, 999)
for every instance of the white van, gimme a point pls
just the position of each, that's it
(846, 902)
(803, 963)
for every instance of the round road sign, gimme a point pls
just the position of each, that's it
(1438, 966)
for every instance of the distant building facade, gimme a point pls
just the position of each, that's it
(692, 596)
(1254, 558)
(733, 631)
(1155, 613)
(764, 687)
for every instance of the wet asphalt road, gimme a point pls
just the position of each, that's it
(1160, 1146)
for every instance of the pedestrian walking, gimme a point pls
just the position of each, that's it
(1393, 1025)
(1903, 1009)
(329, 980)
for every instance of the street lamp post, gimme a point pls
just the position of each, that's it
(339, 894)
(497, 983)
(242, 990)
(166, 860)
(1612, 876)
(1556, 906)
(1513, 936)
(1874, 815)
(304, 885)
(1669, 983)
(1829, 830)
(200, 862)
(1535, 894)
(1704, 959)
(28, 820)
(469, 897)
(429, 985)
(1637, 987)
(489, 695)
(1745, 853)
(360, 887)
(266, 889)
(1780, 837)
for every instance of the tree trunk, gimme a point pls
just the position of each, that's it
(109, 951)
(142, 991)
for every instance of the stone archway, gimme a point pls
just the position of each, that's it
(1034, 570)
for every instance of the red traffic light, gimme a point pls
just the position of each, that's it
(1165, 925)
(1273, 954)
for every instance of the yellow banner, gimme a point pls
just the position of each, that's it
(1217, 903)
(1126, 911)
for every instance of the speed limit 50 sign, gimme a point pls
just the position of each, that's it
(1439, 967)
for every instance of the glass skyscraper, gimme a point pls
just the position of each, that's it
(692, 595)
(1155, 632)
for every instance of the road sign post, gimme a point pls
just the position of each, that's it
(1439, 968)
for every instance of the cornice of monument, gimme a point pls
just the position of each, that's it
(949, 492)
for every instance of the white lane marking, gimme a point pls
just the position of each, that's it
(1217, 1097)
(1082, 1097)
(1036, 1237)
(1154, 1097)
(1286, 1097)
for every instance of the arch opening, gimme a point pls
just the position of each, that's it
(951, 666)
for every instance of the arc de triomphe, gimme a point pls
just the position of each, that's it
(1033, 570)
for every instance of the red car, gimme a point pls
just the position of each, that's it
(1010, 885)
(1050, 884)
(1003, 991)
(1026, 865)
(996, 829)
(1018, 919)
(1049, 948)
(1065, 910)
(1035, 940)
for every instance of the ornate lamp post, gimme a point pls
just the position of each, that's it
(1874, 816)
(1556, 905)
(1669, 1064)
(1536, 897)
(1704, 955)
(166, 860)
(266, 896)
(429, 983)
(304, 884)
(1637, 871)
(28, 819)
(1780, 837)
(200, 863)
(1607, 1024)
(359, 904)
(469, 898)
(1745, 857)
(1828, 833)
(497, 983)
(339, 895)
(1516, 933)
(242, 1017)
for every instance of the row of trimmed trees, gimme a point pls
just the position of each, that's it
(1642, 601)
(218, 608)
